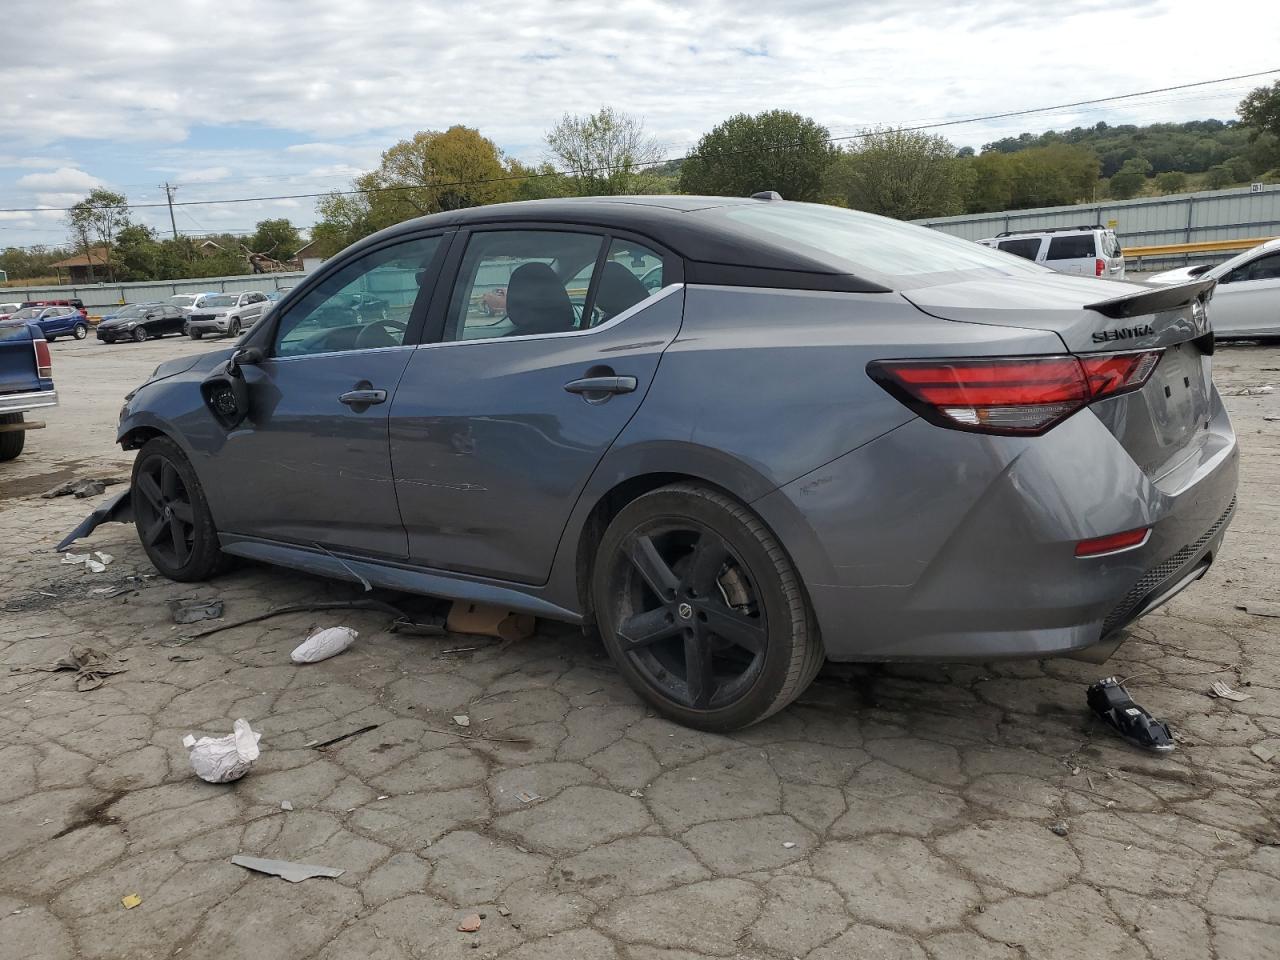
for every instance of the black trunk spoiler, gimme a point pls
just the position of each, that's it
(1155, 299)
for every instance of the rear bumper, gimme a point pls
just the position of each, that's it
(22, 402)
(933, 544)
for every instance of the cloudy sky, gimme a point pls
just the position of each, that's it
(231, 98)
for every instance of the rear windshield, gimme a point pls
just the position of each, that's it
(868, 244)
(13, 331)
(1077, 247)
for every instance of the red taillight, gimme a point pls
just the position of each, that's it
(1099, 267)
(44, 360)
(1113, 542)
(1013, 395)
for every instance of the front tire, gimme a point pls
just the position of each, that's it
(11, 441)
(234, 329)
(172, 514)
(80, 331)
(139, 335)
(702, 610)
(195, 334)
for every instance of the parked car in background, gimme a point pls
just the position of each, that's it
(226, 313)
(8, 309)
(69, 302)
(186, 302)
(1088, 251)
(711, 474)
(55, 321)
(26, 381)
(142, 321)
(1246, 301)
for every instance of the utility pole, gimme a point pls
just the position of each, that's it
(168, 192)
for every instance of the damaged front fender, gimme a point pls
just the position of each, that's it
(119, 509)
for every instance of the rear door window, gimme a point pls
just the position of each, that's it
(1077, 247)
(1265, 268)
(1025, 247)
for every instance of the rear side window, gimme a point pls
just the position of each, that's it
(1078, 247)
(1027, 248)
(1265, 268)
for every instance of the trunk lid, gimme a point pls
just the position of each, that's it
(17, 359)
(1161, 425)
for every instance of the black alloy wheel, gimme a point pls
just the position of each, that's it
(139, 335)
(172, 516)
(701, 610)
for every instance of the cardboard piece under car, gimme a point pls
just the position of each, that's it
(488, 620)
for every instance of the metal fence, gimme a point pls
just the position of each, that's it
(99, 296)
(1233, 214)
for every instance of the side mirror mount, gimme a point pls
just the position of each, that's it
(245, 356)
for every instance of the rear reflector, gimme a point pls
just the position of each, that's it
(1010, 395)
(1113, 543)
(44, 360)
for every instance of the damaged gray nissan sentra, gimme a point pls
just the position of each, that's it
(808, 433)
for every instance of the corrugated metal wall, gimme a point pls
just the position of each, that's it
(99, 296)
(1232, 214)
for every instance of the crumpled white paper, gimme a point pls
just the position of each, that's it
(223, 759)
(95, 562)
(324, 644)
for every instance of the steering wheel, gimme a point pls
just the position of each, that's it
(381, 333)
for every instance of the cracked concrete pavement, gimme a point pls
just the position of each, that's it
(893, 812)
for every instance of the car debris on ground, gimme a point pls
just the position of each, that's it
(320, 744)
(80, 489)
(94, 562)
(487, 620)
(1111, 703)
(1224, 692)
(129, 901)
(186, 610)
(92, 667)
(223, 759)
(323, 644)
(1261, 608)
(293, 872)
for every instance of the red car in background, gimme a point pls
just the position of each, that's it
(69, 302)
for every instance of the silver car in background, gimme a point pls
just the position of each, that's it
(1246, 301)
(226, 313)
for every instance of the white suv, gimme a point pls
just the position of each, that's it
(1087, 251)
(226, 313)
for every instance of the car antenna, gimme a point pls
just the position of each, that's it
(767, 195)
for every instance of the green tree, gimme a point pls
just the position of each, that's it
(37, 261)
(992, 179)
(1260, 110)
(278, 239)
(1219, 177)
(775, 150)
(1171, 181)
(604, 153)
(1130, 178)
(96, 220)
(905, 174)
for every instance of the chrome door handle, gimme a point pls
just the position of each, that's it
(602, 385)
(363, 398)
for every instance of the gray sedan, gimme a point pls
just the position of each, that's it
(811, 433)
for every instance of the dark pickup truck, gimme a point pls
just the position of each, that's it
(26, 382)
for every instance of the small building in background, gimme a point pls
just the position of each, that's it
(88, 267)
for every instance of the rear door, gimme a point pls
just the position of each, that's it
(1072, 253)
(497, 426)
(1247, 300)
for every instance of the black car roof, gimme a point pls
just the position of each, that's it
(714, 252)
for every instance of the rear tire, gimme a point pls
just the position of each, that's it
(733, 640)
(139, 335)
(11, 442)
(172, 514)
(80, 331)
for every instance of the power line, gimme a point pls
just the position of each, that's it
(609, 167)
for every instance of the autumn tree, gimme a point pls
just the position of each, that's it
(775, 150)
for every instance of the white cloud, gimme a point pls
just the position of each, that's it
(64, 180)
(204, 174)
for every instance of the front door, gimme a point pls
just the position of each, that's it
(496, 428)
(311, 464)
(1247, 300)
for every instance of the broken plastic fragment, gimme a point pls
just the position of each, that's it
(462, 720)
(293, 872)
(286, 805)
(1111, 703)
(324, 644)
(1220, 689)
(130, 901)
(193, 611)
(524, 796)
(223, 759)
(788, 845)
